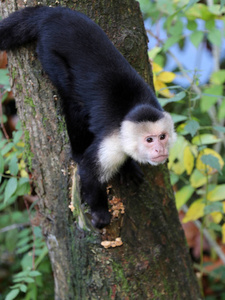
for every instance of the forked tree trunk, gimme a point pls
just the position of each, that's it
(153, 262)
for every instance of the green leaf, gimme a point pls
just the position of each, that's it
(23, 186)
(197, 179)
(178, 118)
(205, 139)
(153, 52)
(196, 38)
(219, 128)
(218, 77)
(177, 28)
(2, 163)
(222, 3)
(221, 112)
(170, 42)
(7, 148)
(210, 24)
(10, 188)
(192, 127)
(29, 280)
(192, 25)
(191, 3)
(215, 206)
(23, 288)
(215, 37)
(17, 136)
(176, 98)
(35, 273)
(211, 161)
(4, 79)
(183, 195)
(210, 96)
(13, 166)
(217, 194)
(12, 295)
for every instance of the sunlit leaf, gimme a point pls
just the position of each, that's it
(217, 194)
(166, 76)
(205, 139)
(183, 195)
(195, 211)
(210, 96)
(206, 164)
(153, 52)
(218, 77)
(188, 160)
(212, 161)
(217, 217)
(197, 179)
(223, 233)
(176, 157)
(221, 112)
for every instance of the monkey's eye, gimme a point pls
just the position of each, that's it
(162, 137)
(149, 140)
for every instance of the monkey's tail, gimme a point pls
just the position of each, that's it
(20, 27)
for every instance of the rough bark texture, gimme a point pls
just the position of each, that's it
(153, 262)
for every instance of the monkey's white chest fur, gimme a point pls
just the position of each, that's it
(110, 156)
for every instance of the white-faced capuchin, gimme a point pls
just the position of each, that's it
(113, 117)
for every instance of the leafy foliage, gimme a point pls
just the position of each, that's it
(23, 254)
(196, 160)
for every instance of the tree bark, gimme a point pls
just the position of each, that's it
(153, 262)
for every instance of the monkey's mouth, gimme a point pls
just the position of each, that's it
(159, 158)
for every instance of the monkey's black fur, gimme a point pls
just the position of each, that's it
(98, 87)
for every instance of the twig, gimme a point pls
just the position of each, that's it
(14, 226)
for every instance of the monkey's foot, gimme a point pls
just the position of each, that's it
(100, 218)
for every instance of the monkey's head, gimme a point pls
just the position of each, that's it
(148, 141)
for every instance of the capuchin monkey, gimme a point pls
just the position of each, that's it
(113, 117)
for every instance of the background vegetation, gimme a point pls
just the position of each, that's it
(196, 160)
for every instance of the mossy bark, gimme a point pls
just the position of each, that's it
(153, 262)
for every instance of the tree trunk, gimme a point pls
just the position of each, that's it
(153, 262)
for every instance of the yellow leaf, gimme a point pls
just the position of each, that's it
(24, 173)
(223, 233)
(216, 216)
(224, 206)
(183, 195)
(203, 168)
(188, 160)
(166, 76)
(156, 68)
(176, 157)
(197, 179)
(159, 85)
(217, 194)
(195, 211)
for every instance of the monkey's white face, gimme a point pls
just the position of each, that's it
(154, 148)
(148, 142)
